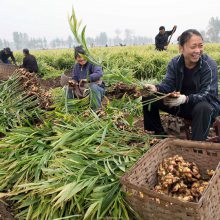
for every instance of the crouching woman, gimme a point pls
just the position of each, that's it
(86, 77)
(195, 76)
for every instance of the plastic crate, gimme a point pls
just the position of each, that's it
(150, 205)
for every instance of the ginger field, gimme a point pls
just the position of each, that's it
(65, 162)
(143, 62)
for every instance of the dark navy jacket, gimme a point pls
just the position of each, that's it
(205, 78)
(30, 63)
(161, 40)
(87, 71)
(4, 57)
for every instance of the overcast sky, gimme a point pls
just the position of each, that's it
(48, 18)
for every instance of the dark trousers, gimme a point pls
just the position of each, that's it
(201, 114)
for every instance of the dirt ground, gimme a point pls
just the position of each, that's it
(50, 83)
(5, 211)
(7, 70)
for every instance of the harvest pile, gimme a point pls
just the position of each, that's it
(181, 179)
(32, 87)
(119, 89)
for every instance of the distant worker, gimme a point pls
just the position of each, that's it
(29, 62)
(5, 54)
(161, 40)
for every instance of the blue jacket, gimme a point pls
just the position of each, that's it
(205, 77)
(4, 57)
(87, 71)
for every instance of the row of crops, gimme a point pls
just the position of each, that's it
(142, 62)
(66, 163)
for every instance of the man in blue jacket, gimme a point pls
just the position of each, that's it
(161, 40)
(86, 73)
(195, 76)
(5, 54)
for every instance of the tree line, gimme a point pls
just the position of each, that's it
(22, 40)
(212, 34)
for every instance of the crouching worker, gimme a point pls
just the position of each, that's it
(195, 76)
(5, 54)
(29, 62)
(86, 79)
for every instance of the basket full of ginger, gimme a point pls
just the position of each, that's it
(176, 179)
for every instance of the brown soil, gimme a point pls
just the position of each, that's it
(50, 83)
(5, 212)
(7, 70)
(118, 90)
(172, 126)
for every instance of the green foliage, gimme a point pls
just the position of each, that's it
(69, 165)
(141, 62)
(16, 107)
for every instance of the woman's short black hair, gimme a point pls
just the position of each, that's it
(161, 28)
(186, 35)
(78, 50)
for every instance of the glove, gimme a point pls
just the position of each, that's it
(151, 87)
(83, 82)
(172, 102)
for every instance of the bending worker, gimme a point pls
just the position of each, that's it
(5, 54)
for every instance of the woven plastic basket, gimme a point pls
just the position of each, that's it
(150, 205)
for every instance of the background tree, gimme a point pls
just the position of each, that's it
(24, 40)
(117, 40)
(6, 43)
(90, 41)
(1, 43)
(44, 43)
(214, 30)
(204, 35)
(128, 36)
(102, 39)
(17, 40)
(70, 42)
